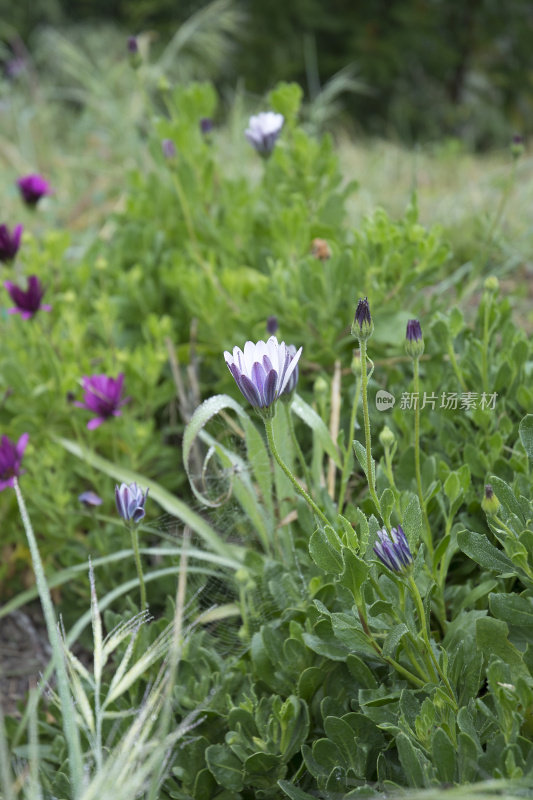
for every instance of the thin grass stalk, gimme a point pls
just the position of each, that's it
(67, 707)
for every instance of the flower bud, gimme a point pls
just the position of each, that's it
(363, 326)
(517, 146)
(386, 437)
(320, 249)
(272, 325)
(169, 148)
(490, 503)
(414, 341)
(133, 52)
(492, 284)
(130, 502)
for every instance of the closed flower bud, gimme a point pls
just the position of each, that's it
(363, 326)
(414, 341)
(386, 437)
(130, 502)
(492, 284)
(490, 503)
(393, 550)
(517, 146)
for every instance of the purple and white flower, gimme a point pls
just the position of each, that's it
(130, 500)
(11, 460)
(9, 242)
(263, 130)
(290, 386)
(393, 549)
(32, 188)
(263, 371)
(29, 302)
(103, 396)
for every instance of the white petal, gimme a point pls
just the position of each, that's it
(290, 369)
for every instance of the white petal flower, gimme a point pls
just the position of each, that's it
(264, 371)
(263, 130)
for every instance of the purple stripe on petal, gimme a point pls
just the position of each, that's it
(249, 391)
(271, 387)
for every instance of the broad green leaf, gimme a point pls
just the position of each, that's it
(225, 767)
(412, 761)
(506, 496)
(294, 792)
(492, 640)
(479, 549)
(360, 454)
(167, 501)
(412, 523)
(263, 770)
(393, 639)
(444, 755)
(354, 574)
(324, 552)
(513, 609)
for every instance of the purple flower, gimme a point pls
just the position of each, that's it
(29, 302)
(206, 125)
(133, 45)
(263, 131)
(393, 549)
(103, 396)
(362, 325)
(15, 67)
(90, 499)
(263, 371)
(272, 325)
(169, 148)
(9, 242)
(130, 502)
(10, 460)
(32, 188)
(414, 341)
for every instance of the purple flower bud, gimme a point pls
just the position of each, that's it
(263, 371)
(272, 325)
(393, 550)
(29, 302)
(32, 188)
(362, 325)
(490, 503)
(169, 148)
(130, 500)
(90, 499)
(9, 242)
(11, 459)
(414, 341)
(103, 396)
(263, 131)
(133, 45)
(206, 125)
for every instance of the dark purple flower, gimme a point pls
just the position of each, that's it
(393, 549)
(206, 125)
(362, 325)
(414, 341)
(272, 325)
(29, 302)
(11, 459)
(263, 371)
(263, 130)
(9, 242)
(90, 499)
(169, 148)
(103, 396)
(130, 502)
(32, 188)
(133, 45)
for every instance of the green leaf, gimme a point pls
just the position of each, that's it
(225, 767)
(444, 754)
(360, 454)
(479, 549)
(313, 421)
(525, 430)
(167, 501)
(506, 496)
(263, 770)
(323, 552)
(452, 487)
(354, 574)
(513, 609)
(294, 792)
(412, 523)
(491, 638)
(411, 759)
(386, 503)
(393, 639)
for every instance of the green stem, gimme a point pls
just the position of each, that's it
(503, 526)
(349, 445)
(67, 707)
(485, 347)
(395, 664)
(368, 440)
(425, 635)
(296, 445)
(288, 473)
(137, 557)
(455, 366)
(390, 477)
(428, 537)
